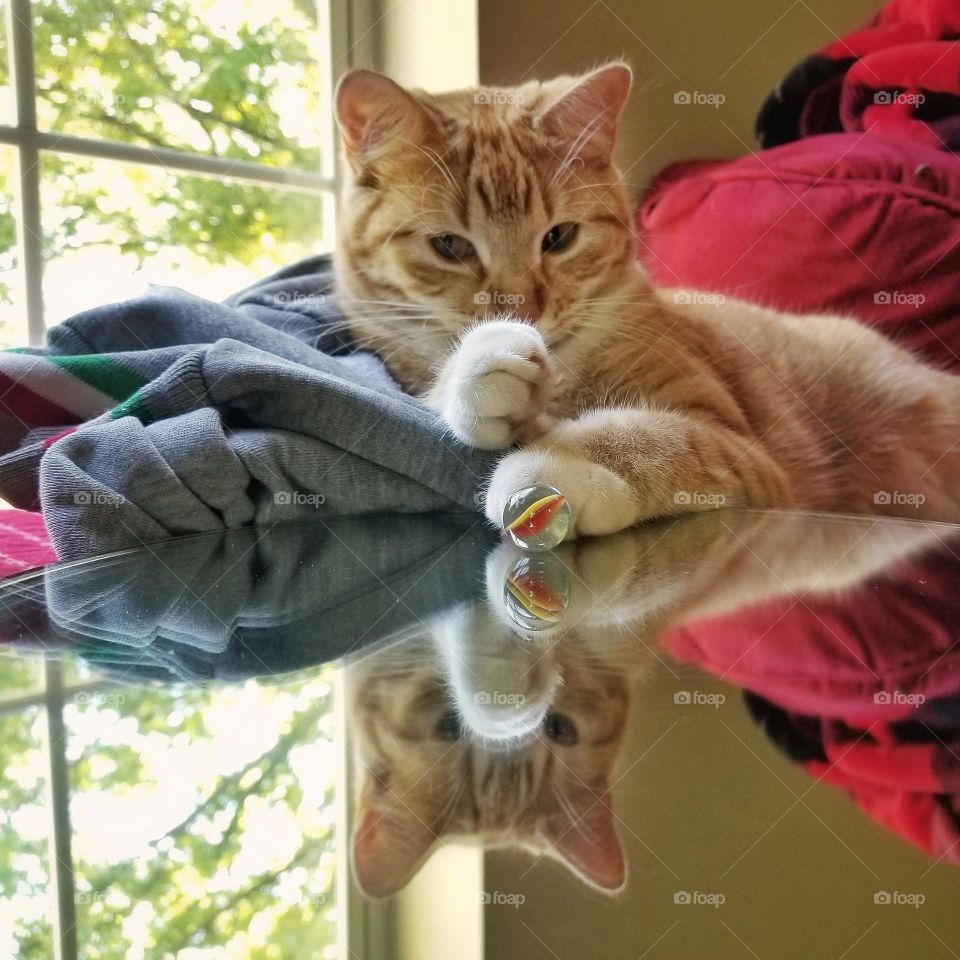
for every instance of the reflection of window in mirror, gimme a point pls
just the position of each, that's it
(155, 827)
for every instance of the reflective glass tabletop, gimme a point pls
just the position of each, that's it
(735, 734)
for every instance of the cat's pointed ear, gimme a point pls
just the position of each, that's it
(373, 112)
(585, 838)
(586, 115)
(389, 844)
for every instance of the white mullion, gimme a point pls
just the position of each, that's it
(332, 24)
(29, 223)
(29, 138)
(63, 887)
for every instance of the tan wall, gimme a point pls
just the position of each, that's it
(429, 43)
(737, 48)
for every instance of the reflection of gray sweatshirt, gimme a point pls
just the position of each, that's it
(251, 411)
(251, 601)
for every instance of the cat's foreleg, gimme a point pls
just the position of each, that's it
(495, 387)
(618, 467)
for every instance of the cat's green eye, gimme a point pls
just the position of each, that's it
(452, 247)
(559, 237)
(560, 729)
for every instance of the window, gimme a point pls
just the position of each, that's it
(163, 141)
(187, 142)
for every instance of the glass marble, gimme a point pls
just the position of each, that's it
(537, 518)
(536, 592)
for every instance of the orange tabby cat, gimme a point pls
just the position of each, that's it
(487, 252)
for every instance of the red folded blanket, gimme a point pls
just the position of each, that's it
(899, 75)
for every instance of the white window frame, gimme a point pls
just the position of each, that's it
(360, 33)
(337, 18)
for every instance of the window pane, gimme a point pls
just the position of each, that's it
(239, 79)
(7, 102)
(13, 321)
(25, 928)
(204, 820)
(111, 228)
(76, 671)
(18, 677)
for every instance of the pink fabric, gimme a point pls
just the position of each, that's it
(842, 656)
(24, 543)
(855, 224)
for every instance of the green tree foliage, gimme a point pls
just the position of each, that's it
(239, 81)
(193, 884)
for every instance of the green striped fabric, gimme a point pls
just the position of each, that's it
(103, 373)
(133, 406)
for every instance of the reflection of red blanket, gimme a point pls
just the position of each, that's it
(904, 776)
(863, 221)
(863, 689)
(854, 656)
(24, 543)
(899, 75)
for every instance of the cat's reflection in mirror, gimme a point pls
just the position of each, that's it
(432, 767)
(474, 729)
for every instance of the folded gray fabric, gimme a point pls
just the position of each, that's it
(182, 416)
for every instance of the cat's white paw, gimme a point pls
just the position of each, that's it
(600, 501)
(498, 384)
(503, 687)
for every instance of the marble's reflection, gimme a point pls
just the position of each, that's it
(479, 727)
